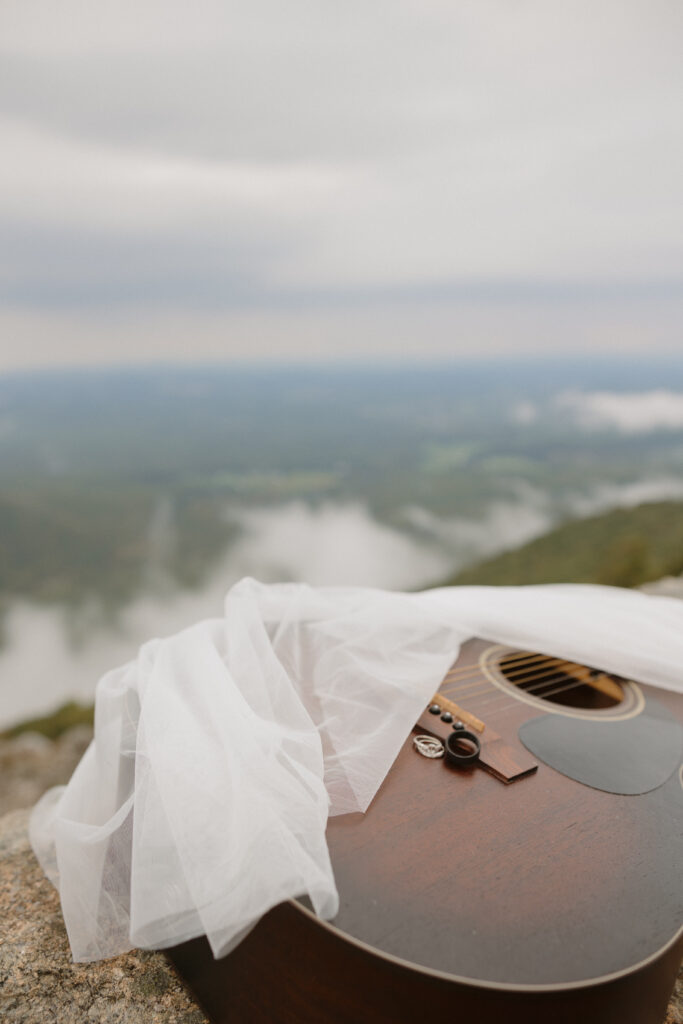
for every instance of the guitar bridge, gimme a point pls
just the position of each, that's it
(496, 757)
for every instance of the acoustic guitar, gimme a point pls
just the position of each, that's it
(522, 861)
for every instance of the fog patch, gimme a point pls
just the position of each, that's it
(504, 524)
(627, 495)
(637, 412)
(331, 544)
(52, 656)
(524, 412)
(529, 513)
(162, 539)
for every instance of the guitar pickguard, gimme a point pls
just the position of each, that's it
(628, 757)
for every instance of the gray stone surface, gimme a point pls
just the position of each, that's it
(38, 981)
(31, 763)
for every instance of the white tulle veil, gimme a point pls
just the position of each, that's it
(220, 752)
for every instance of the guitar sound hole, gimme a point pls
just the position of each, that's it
(560, 681)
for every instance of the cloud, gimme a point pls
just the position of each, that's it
(402, 330)
(330, 543)
(529, 513)
(164, 158)
(502, 525)
(627, 495)
(639, 412)
(123, 189)
(51, 657)
(524, 412)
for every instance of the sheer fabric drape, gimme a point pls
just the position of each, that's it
(220, 752)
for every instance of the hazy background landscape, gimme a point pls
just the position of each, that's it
(371, 293)
(132, 499)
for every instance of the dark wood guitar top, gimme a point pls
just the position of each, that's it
(544, 900)
(544, 882)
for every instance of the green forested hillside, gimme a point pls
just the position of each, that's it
(62, 541)
(625, 547)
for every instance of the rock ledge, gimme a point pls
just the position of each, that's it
(39, 982)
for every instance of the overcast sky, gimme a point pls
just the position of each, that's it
(321, 179)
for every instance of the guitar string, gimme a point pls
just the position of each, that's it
(482, 688)
(465, 672)
(533, 666)
(477, 681)
(555, 675)
(537, 682)
(458, 670)
(574, 685)
(541, 683)
(559, 689)
(511, 703)
(504, 665)
(541, 690)
(496, 712)
(511, 656)
(457, 673)
(529, 671)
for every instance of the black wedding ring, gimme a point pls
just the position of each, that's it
(462, 748)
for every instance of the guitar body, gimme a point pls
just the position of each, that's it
(494, 893)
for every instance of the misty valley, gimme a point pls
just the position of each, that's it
(131, 500)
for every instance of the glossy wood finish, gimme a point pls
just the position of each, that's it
(290, 970)
(545, 881)
(456, 890)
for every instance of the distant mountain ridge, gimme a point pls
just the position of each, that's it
(623, 548)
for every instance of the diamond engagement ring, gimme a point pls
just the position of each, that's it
(428, 746)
